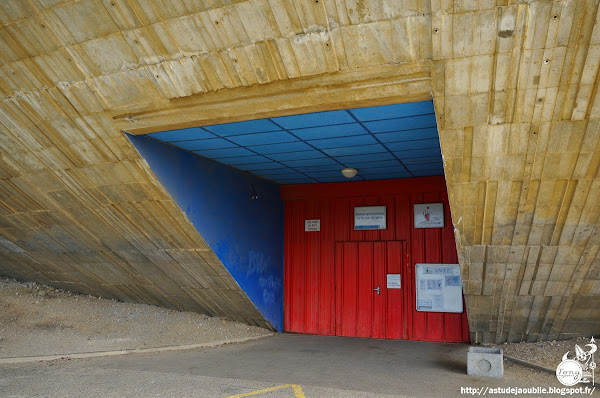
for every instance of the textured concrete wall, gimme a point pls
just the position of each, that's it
(514, 83)
(517, 100)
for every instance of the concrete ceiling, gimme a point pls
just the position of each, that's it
(388, 141)
(514, 85)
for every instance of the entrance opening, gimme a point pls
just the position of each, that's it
(338, 280)
(330, 273)
(382, 142)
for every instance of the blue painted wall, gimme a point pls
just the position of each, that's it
(246, 235)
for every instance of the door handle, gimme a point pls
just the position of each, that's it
(377, 290)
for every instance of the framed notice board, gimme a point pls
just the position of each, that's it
(439, 288)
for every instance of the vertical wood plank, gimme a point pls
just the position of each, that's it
(342, 229)
(364, 293)
(433, 254)
(395, 304)
(326, 270)
(349, 289)
(313, 243)
(390, 232)
(380, 306)
(417, 244)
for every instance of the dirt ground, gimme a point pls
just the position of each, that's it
(547, 354)
(37, 320)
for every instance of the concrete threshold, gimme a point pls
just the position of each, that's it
(83, 355)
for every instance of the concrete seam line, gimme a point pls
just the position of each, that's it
(529, 364)
(535, 366)
(84, 355)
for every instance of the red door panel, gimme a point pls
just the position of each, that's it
(380, 305)
(329, 274)
(396, 322)
(348, 285)
(364, 290)
(361, 268)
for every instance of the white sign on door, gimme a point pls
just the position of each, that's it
(312, 225)
(369, 217)
(429, 215)
(393, 281)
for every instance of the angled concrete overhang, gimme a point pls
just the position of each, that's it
(515, 88)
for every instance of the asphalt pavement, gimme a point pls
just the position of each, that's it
(284, 365)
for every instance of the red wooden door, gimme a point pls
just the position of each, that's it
(365, 307)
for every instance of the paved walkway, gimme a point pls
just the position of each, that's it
(280, 366)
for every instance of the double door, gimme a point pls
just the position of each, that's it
(369, 300)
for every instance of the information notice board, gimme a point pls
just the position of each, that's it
(439, 288)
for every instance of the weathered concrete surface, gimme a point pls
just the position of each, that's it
(321, 366)
(516, 95)
(515, 86)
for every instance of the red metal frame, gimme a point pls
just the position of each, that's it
(310, 268)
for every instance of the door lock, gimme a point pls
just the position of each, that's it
(377, 290)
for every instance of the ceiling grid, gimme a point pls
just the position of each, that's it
(389, 141)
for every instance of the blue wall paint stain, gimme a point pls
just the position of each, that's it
(246, 235)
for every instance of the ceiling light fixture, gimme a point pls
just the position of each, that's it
(349, 172)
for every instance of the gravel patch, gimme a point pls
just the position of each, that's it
(547, 354)
(38, 320)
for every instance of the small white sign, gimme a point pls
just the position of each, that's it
(312, 225)
(429, 215)
(370, 217)
(393, 281)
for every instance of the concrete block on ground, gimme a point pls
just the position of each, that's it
(486, 362)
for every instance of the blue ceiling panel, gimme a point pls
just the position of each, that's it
(296, 181)
(274, 137)
(263, 166)
(323, 167)
(348, 161)
(355, 150)
(391, 141)
(421, 160)
(421, 153)
(244, 160)
(196, 133)
(408, 135)
(280, 148)
(411, 145)
(212, 143)
(339, 130)
(311, 162)
(366, 139)
(287, 172)
(322, 174)
(282, 157)
(382, 163)
(247, 127)
(422, 166)
(405, 123)
(393, 111)
(224, 153)
(381, 170)
(314, 119)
